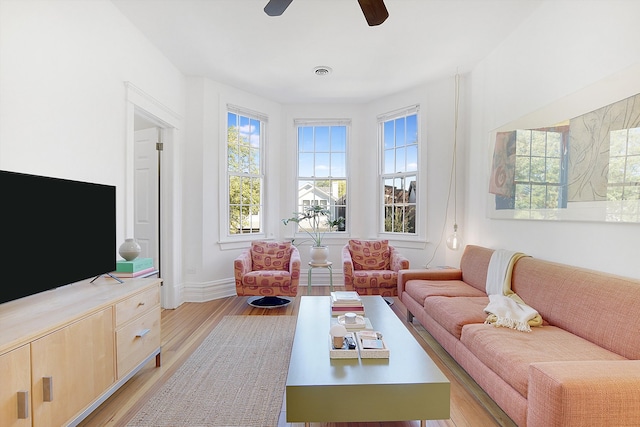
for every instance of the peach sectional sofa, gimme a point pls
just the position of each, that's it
(580, 368)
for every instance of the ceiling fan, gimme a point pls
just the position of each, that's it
(374, 11)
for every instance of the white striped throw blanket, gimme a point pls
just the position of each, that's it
(506, 308)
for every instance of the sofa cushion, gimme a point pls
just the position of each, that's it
(370, 254)
(270, 256)
(453, 313)
(600, 307)
(474, 265)
(509, 353)
(419, 289)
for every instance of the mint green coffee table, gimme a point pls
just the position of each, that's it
(406, 386)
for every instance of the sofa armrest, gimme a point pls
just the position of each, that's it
(294, 266)
(584, 393)
(397, 261)
(347, 268)
(426, 274)
(241, 266)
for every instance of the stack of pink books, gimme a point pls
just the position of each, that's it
(346, 302)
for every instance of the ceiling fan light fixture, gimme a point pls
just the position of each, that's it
(322, 70)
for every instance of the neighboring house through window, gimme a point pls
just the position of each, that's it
(399, 170)
(322, 167)
(245, 171)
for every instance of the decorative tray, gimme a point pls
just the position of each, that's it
(344, 352)
(371, 345)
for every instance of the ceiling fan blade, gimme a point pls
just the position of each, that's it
(375, 12)
(276, 7)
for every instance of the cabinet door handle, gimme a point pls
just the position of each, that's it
(143, 332)
(23, 405)
(47, 389)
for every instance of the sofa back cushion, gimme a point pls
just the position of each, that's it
(474, 265)
(270, 255)
(600, 307)
(370, 254)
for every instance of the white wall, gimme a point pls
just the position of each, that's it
(564, 48)
(208, 254)
(208, 257)
(63, 105)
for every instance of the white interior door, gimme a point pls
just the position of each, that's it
(146, 193)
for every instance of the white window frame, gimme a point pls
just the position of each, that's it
(382, 177)
(317, 123)
(225, 233)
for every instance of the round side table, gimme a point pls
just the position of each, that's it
(312, 266)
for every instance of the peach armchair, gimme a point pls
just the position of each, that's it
(371, 267)
(268, 270)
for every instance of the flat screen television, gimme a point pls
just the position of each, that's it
(54, 232)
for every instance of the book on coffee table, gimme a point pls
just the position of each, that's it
(371, 345)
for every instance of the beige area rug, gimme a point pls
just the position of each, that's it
(236, 377)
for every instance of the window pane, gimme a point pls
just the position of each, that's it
(324, 160)
(538, 143)
(553, 171)
(322, 139)
(554, 144)
(400, 160)
(388, 136)
(338, 164)
(305, 139)
(338, 138)
(400, 132)
(553, 196)
(616, 169)
(537, 169)
(522, 168)
(538, 196)
(389, 161)
(234, 219)
(523, 196)
(412, 158)
(633, 169)
(399, 147)
(234, 190)
(322, 164)
(305, 164)
(412, 129)
(618, 143)
(523, 142)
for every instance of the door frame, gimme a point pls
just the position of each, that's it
(142, 104)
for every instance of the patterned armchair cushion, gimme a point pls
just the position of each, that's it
(369, 254)
(270, 256)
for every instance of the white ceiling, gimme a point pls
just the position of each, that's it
(236, 43)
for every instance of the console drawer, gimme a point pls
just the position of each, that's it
(137, 340)
(137, 305)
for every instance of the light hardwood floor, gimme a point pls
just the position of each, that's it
(184, 328)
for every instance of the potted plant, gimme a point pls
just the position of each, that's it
(316, 222)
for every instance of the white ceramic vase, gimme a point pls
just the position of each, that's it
(129, 250)
(319, 255)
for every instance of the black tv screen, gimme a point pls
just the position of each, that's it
(54, 232)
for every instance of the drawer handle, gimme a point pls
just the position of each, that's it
(143, 333)
(140, 303)
(47, 389)
(23, 405)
